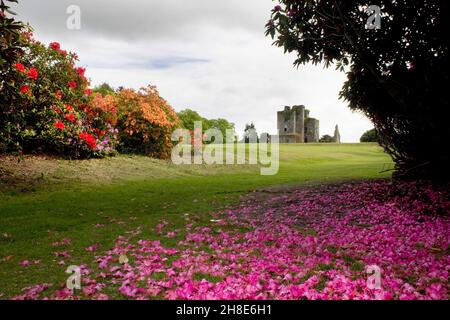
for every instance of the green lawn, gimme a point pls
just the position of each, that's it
(43, 201)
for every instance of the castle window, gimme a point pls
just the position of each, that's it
(285, 129)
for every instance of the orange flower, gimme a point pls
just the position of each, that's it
(148, 115)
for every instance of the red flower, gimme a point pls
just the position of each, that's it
(25, 89)
(72, 84)
(58, 95)
(55, 46)
(32, 73)
(56, 109)
(100, 133)
(89, 140)
(81, 71)
(59, 125)
(85, 108)
(19, 67)
(88, 92)
(69, 107)
(70, 117)
(28, 35)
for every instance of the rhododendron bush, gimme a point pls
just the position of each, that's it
(48, 107)
(146, 122)
(311, 243)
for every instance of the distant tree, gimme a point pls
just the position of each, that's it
(188, 117)
(250, 133)
(104, 89)
(370, 136)
(326, 139)
(221, 124)
(397, 71)
(265, 136)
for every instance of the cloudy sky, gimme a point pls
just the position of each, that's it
(207, 55)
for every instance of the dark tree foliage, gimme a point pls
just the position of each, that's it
(397, 74)
(11, 48)
(370, 136)
(188, 117)
(104, 89)
(10, 40)
(326, 139)
(250, 133)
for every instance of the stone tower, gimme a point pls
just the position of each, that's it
(312, 130)
(337, 135)
(291, 124)
(295, 125)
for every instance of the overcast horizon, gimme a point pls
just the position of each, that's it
(208, 56)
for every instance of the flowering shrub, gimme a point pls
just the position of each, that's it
(146, 122)
(47, 106)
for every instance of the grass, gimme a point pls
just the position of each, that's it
(45, 200)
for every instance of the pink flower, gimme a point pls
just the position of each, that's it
(62, 243)
(92, 248)
(25, 263)
(63, 254)
(102, 296)
(310, 243)
(171, 234)
(70, 117)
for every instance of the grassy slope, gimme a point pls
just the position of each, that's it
(71, 197)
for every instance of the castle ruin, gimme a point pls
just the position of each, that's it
(295, 126)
